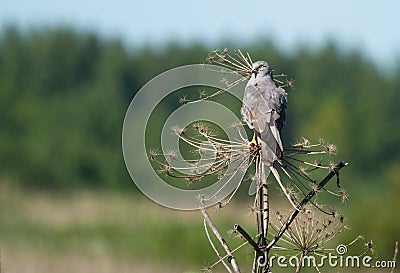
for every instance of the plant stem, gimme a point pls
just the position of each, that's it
(221, 240)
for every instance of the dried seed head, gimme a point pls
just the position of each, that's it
(191, 180)
(171, 154)
(199, 126)
(225, 81)
(209, 133)
(202, 198)
(183, 100)
(202, 94)
(153, 153)
(331, 166)
(178, 130)
(344, 195)
(166, 169)
(333, 211)
(330, 148)
(302, 169)
(206, 269)
(370, 246)
(210, 58)
(308, 234)
(220, 173)
(291, 193)
(302, 143)
(315, 188)
(290, 83)
(219, 205)
(233, 232)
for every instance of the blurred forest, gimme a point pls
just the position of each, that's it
(64, 93)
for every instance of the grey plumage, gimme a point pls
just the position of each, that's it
(263, 109)
(264, 105)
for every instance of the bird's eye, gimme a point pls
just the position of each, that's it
(261, 67)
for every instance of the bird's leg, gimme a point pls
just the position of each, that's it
(253, 143)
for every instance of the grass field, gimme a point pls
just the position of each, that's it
(86, 231)
(98, 232)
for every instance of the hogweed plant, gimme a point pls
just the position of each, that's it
(302, 175)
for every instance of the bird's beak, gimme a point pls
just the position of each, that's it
(254, 72)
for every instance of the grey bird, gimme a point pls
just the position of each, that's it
(263, 109)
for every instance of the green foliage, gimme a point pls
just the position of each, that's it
(63, 96)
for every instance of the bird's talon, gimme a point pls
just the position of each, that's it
(253, 143)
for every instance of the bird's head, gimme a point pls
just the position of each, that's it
(261, 69)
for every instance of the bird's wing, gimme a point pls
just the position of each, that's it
(259, 111)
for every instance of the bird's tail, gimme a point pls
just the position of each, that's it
(271, 153)
(271, 145)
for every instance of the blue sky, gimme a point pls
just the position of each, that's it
(372, 26)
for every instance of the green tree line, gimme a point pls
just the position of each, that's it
(64, 93)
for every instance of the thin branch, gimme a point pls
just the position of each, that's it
(246, 236)
(215, 249)
(396, 250)
(231, 258)
(278, 179)
(300, 263)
